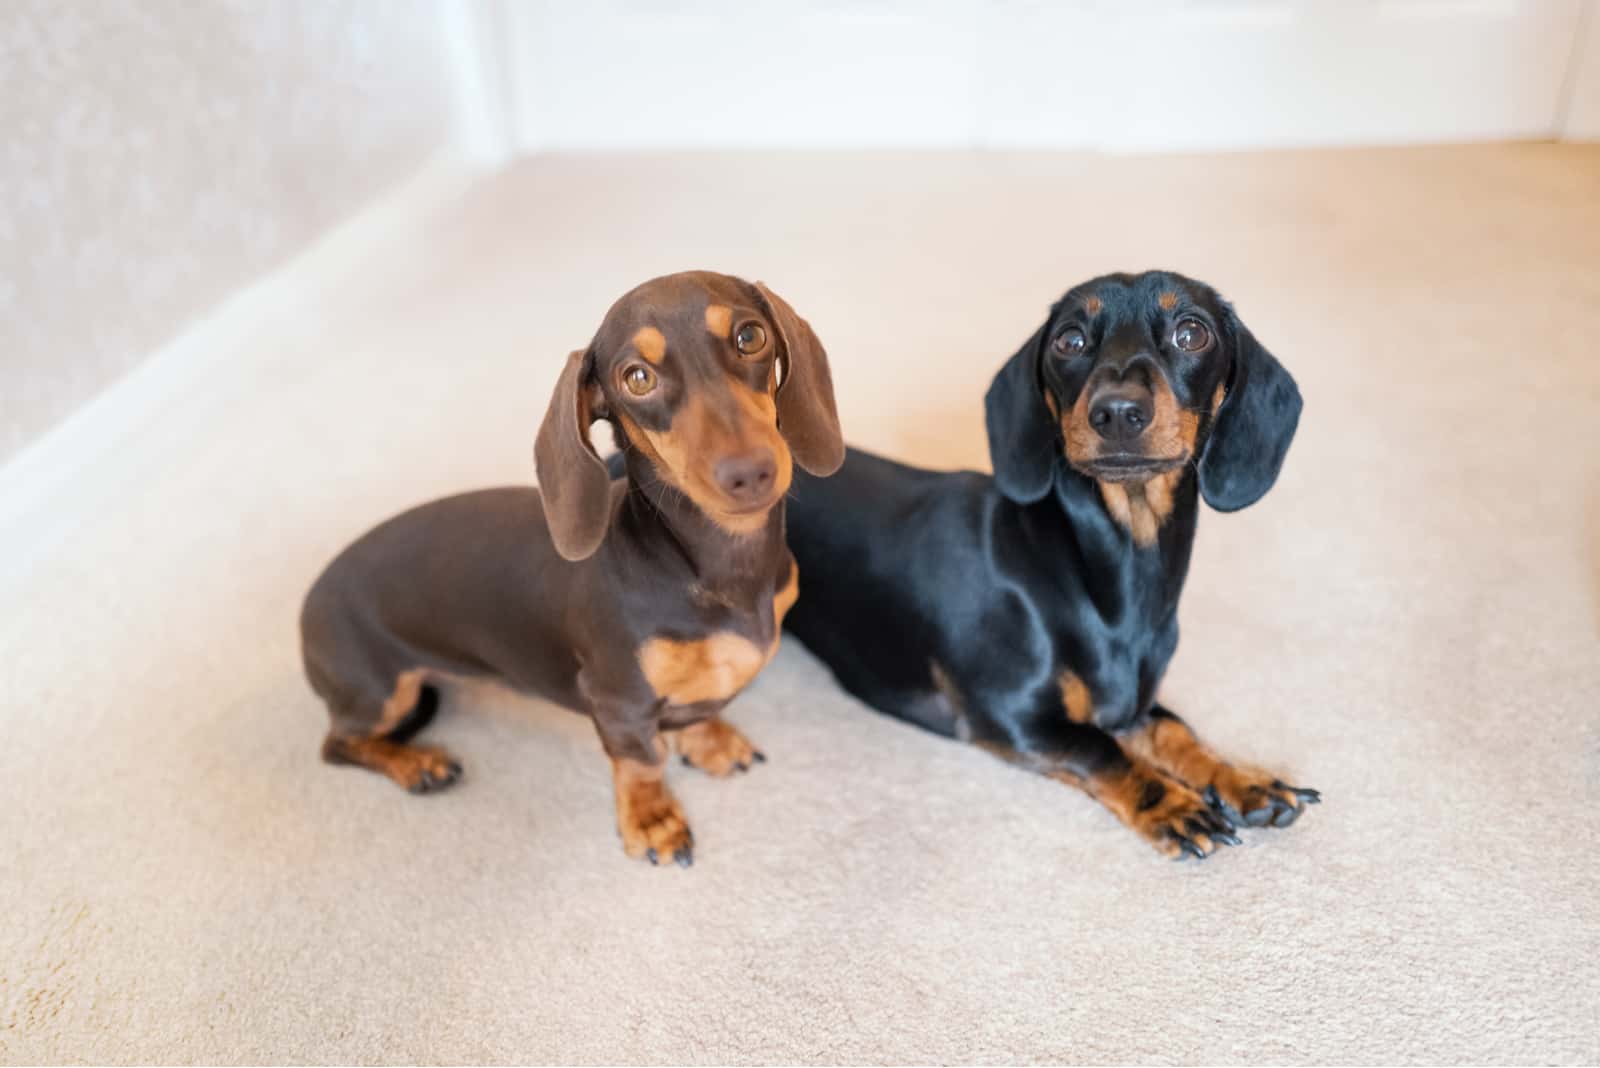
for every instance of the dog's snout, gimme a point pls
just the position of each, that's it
(1121, 413)
(747, 478)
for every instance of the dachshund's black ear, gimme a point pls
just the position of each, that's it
(807, 415)
(1253, 428)
(1023, 442)
(575, 484)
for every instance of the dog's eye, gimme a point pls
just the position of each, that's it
(1071, 342)
(750, 339)
(639, 379)
(1191, 336)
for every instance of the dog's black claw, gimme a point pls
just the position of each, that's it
(1285, 816)
(1258, 817)
(741, 766)
(650, 855)
(1209, 826)
(685, 762)
(418, 787)
(760, 757)
(1186, 848)
(684, 857)
(1301, 793)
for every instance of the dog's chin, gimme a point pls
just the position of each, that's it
(740, 517)
(1122, 469)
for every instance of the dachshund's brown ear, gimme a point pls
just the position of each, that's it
(806, 412)
(576, 487)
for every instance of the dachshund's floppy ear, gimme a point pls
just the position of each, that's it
(807, 416)
(1022, 439)
(576, 487)
(1253, 428)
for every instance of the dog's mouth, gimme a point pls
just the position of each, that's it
(1129, 467)
(741, 511)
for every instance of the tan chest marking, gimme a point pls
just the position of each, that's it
(716, 667)
(1075, 698)
(1141, 506)
(702, 669)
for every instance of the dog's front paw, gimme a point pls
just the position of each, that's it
(717, 748)
(1174, 819)
(1256, 798)
(653, 826)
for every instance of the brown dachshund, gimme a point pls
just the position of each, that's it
(646, 602)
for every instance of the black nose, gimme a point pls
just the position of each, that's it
(1121, 414)
(747, 479)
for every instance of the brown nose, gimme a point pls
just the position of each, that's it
(747, 479)
(1120, 413)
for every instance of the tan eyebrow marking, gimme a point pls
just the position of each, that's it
(1092, 305)
(1168, 300)
(651, 345)
(719, 319)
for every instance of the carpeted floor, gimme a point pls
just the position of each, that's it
(1408, 622)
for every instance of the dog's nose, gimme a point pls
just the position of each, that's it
(1121, 415)
(748, 478)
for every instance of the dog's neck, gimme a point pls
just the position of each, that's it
(1119, 529)
(665, 520)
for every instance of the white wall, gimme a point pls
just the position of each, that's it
(1581, 119)
(155, 156)
(1114, 74)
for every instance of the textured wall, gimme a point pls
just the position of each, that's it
(155, 156)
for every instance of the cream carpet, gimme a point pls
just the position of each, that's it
(1408, 622)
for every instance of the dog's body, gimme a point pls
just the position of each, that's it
(647, 602)
(1034, 613)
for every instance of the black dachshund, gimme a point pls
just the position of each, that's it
(1034, 613)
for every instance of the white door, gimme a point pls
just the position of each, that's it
(1113, 74)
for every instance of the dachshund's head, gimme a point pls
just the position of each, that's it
(715, 382)
(1130, 379)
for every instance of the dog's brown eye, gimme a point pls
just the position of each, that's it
(750, 339)
(1071, 342)
(1191, 336)
(639, 379)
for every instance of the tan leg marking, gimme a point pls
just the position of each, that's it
(407, 691)
(1174, 819)
(648, 816)
(1248, 795)
(419, 768)
(716, 747)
